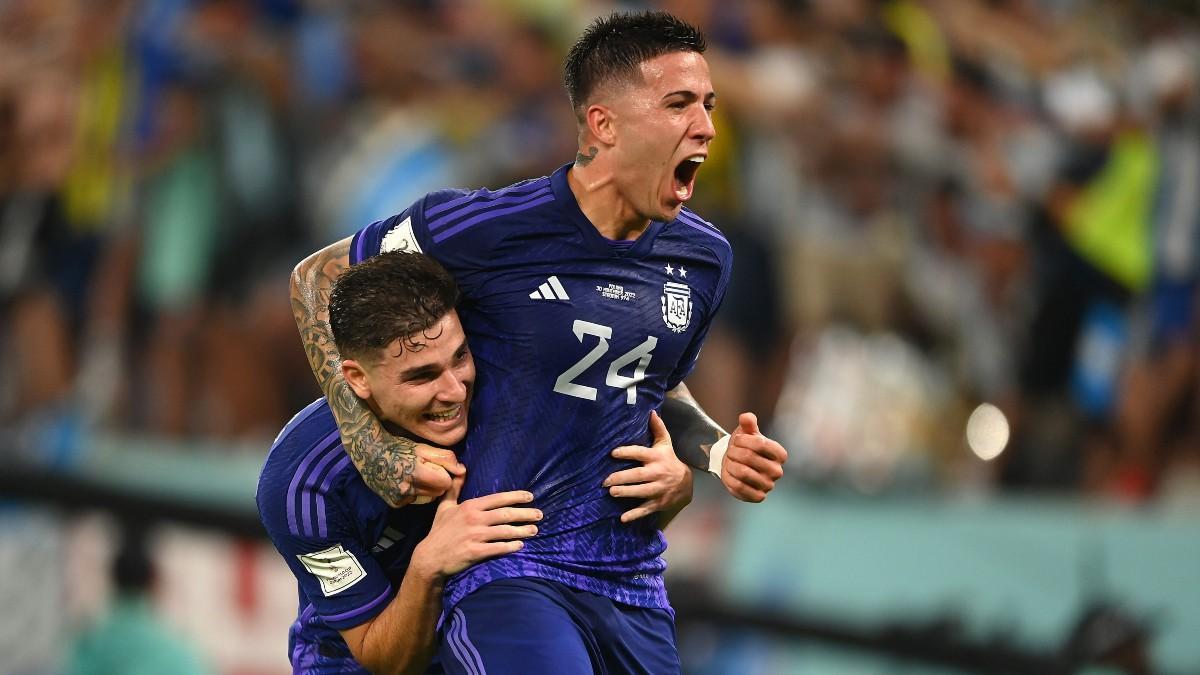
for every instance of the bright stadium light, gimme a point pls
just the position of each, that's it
(987, 431)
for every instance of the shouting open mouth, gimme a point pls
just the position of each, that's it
(685, 176)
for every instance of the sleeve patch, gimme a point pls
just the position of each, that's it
(336, 568)
(400, 238)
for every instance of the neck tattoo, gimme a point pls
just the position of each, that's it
(583, 160)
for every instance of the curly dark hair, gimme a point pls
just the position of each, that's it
(613, 47)
(392, 295)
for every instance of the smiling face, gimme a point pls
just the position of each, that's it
(661, 126)
(421, 383)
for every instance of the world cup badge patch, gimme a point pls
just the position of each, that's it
(677, 306)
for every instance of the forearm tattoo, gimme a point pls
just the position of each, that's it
(693, 432)
(386, 462)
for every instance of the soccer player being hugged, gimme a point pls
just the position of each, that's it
(370, 576)
(587, 297)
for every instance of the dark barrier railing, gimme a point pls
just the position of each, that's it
(65, 491)
(934, 643)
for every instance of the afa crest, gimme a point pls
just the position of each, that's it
(677, 306)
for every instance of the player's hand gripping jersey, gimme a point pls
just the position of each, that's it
(576, 339)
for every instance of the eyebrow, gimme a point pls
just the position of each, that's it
(691, 95)
(418, 372)
(428, 370)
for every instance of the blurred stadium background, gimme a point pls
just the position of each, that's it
(942, 210)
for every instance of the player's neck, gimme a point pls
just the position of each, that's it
(596, 193)
(388, 425)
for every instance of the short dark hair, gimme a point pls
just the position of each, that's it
(392, 295)
(613, 47)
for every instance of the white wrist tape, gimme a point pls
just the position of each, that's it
(717, 455)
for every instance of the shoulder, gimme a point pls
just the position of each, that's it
(450, 212)
(306, 428)
(306, 461)
(429, 224)
(443, 204)
(700, 232)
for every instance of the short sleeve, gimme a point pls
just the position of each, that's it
(405, 231)
(345, 585)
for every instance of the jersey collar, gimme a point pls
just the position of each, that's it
(591, 236)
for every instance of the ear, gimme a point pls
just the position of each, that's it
(599, 120)
(356, 377)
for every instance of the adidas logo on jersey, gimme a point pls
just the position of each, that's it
(551, 289)
(390, 536)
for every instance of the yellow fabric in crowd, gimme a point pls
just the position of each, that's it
(913, 24)
(94, 183)
(1109, 222)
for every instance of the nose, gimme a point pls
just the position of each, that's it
(451, 388)
(703, 128)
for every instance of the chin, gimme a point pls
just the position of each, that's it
(445, 439)
(670, 212)
(666, 209)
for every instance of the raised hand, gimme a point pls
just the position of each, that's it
(752, 462)
(662, 481)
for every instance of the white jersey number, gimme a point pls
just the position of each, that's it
(565, 384)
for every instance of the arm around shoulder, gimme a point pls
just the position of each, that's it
(386, 462)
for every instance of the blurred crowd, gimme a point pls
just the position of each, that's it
(933, 204)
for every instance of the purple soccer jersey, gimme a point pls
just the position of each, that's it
(347, 549)
(576, 340)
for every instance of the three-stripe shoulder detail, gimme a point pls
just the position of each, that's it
(457, 215)
(306, 510)
(697, 223)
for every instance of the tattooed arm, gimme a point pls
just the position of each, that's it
(694, 433)
(747, 462)
(389, 464)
